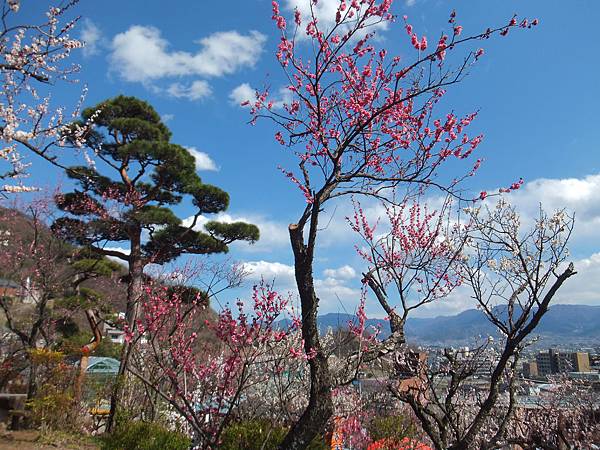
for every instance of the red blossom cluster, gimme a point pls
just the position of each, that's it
(416, 241)
(204, 386)
(356, 111)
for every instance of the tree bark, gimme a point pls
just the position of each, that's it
(86, 350)
(320, 406)
(134, 293)
(486, 408)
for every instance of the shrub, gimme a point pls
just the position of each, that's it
(252, 435)
(53, 407)
(394, 428)
(136, 435)
(259, 435)
(71, 345)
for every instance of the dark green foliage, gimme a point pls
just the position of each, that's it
(71, 345)
(259, 435)
(136, 435)
(142, 175)
(83, 298)
(230, 232)
(66, 326)
(392, 427)
(95, 266)
(189, 294)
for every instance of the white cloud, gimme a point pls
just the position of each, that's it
(339, 286)
(335, 230)
(337, 296)
(199, 89)
(242, 93)
(284, 96)
(167, 117)
(91, 35)
(340, 294)
(123, 250)
(273, 235)
(410, 3)
(575, 192)
(141, 54)
(345, 273)
(325, 12)
(203, 161)
(334, 295)
(459, 300)
(577, 195)
(282, 274)
(584, 287)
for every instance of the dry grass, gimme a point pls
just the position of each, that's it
(34, 440)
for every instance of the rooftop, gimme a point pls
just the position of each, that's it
(4, 283)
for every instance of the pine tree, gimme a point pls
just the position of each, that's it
(128, 196)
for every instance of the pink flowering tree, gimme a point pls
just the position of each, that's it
(206, 388)
(33, 58)
(412, 256)
(31, 263)
(46, 275)
(361, 122)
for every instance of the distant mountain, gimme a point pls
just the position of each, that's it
(562, 322)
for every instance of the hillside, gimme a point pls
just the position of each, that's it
(562, 323)
(22, 232)
(112, 289)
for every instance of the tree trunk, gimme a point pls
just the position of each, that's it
(86, 350)
(32, 381)
(509, 351)
(320, 406)
(134, 293)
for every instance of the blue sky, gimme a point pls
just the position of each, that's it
(536, 90)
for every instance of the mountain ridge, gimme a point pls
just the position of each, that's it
(562, 321)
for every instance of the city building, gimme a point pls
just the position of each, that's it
(9, 288)
(530, 369)
(553, 361)
(116, 335)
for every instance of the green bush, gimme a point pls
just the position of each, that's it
(258, 435)
(136, 435)
(72, 344)
(391, 427)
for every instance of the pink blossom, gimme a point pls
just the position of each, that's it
(297, 17)
(279, 138)
(414, 41)
(281, 23)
